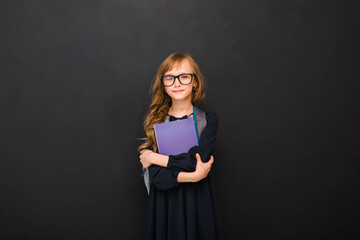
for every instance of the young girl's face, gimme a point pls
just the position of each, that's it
(178, 91)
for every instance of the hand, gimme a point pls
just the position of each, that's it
(146, 157)
(202, 169)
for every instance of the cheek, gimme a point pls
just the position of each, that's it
(168, 90)
(189, 87)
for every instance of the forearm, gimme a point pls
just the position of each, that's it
(187, 177)
(160, 160)
(165, 179)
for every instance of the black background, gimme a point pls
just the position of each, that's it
(281, 75)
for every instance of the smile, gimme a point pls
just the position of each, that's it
(178, 91)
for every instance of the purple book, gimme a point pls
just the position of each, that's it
(176, 137)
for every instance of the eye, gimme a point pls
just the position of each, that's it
(184, 76)
(168, 78)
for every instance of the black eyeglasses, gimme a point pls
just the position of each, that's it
(185, 79)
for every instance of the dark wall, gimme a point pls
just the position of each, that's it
(281, 75)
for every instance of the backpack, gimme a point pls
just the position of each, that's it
(199, 117)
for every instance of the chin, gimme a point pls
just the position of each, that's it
(179, 97)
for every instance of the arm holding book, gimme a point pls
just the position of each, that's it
(165, 179)
(162, 160)
(161, 177)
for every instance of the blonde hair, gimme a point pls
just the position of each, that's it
(161, 102)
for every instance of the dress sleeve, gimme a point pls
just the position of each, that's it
(163, 178)
(187, 161)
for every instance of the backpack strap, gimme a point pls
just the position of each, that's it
(147, 179)
(200, 120)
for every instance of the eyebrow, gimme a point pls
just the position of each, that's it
(174, 75)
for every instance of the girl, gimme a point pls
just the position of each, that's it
(181, 203)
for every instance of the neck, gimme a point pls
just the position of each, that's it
(180, 108)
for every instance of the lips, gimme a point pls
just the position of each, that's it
(178, 91)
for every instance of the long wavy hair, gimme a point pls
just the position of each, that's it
(161, 101)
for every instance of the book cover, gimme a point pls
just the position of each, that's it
(176, 137)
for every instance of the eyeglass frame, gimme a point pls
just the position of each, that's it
(178, 77)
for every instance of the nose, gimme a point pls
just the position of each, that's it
(177, 83)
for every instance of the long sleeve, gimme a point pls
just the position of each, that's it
(187, 161)
(163, 178)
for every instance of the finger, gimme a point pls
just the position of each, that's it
(210, 162)
(198, 157)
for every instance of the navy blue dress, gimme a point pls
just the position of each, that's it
(184, 211)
